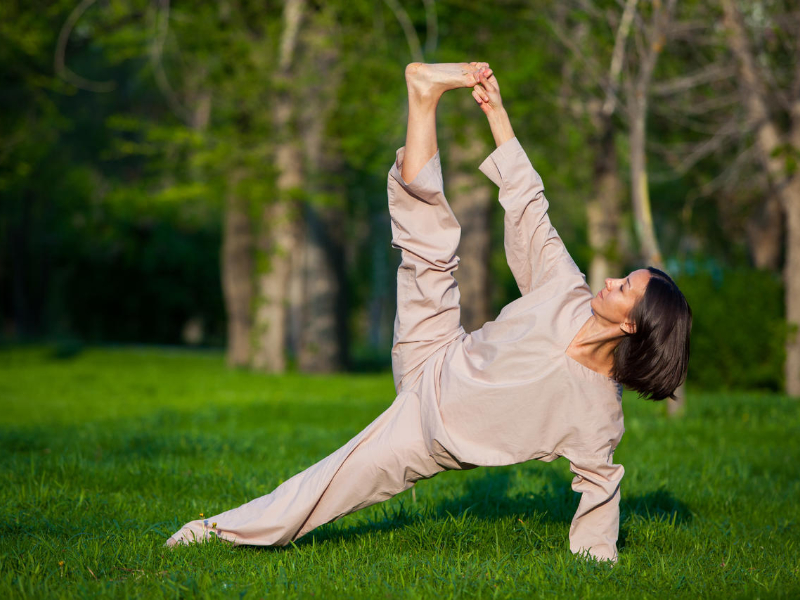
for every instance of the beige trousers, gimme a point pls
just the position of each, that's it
(392, 453)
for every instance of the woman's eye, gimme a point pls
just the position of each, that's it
(620, 288)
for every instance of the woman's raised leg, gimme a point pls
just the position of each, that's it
(423, 226)
(392, 452)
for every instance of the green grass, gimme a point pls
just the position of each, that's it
(105, 454)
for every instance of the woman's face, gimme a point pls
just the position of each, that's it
(616, 300)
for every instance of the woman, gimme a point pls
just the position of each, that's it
(540, 382)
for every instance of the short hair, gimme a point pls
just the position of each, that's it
(653, 360)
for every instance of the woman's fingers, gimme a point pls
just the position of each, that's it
(479, 93)
(485, 106)
(493, 82)
(485, 82)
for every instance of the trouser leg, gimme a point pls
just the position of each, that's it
(380, 462)
(427, 233)
(389, 460)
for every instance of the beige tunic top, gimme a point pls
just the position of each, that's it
(508, 392)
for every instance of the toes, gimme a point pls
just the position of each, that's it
(477, 67)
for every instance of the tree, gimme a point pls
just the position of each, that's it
(277, 239)
(650, 38)
(601, 105)
(317, 274)
(770, 88)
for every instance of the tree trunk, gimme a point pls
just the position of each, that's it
(765, 234)
(603, 210)
(320, 347)
(764, 231)
(471, 198)
(769, 142)
(792, 280)
(200, 117)
(278, 232)
(791, 205)
(276, 246)
(237, 274)
(648, 243)
(316, 289)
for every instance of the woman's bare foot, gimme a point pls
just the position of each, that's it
(429, 81)
(426, 84)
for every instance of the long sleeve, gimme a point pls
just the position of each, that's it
(427, 233)
(534, 251)
(595, 526)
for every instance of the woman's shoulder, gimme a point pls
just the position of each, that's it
(596, 415)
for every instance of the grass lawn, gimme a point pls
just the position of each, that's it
(107, 453)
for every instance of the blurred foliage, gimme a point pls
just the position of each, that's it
(738, 330)
(111, 204)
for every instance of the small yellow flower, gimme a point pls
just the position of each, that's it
(214, 525)
(61, 563)
(202, 515)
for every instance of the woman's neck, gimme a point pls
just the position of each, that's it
(593, 346)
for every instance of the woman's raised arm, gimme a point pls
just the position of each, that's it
(534, 251)
(487, 95)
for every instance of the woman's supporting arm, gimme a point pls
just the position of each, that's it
(595, 527)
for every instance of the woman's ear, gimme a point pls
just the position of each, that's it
(628, 327)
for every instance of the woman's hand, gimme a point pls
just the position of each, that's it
(487, 92)
(487, 95)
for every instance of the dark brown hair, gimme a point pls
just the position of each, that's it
(653, 360)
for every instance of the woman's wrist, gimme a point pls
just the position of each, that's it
(501, 126)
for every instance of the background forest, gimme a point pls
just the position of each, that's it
(213, 173)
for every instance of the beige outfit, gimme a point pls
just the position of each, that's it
(504, 394)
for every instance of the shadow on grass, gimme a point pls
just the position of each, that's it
(488, 498)
(488, 495)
